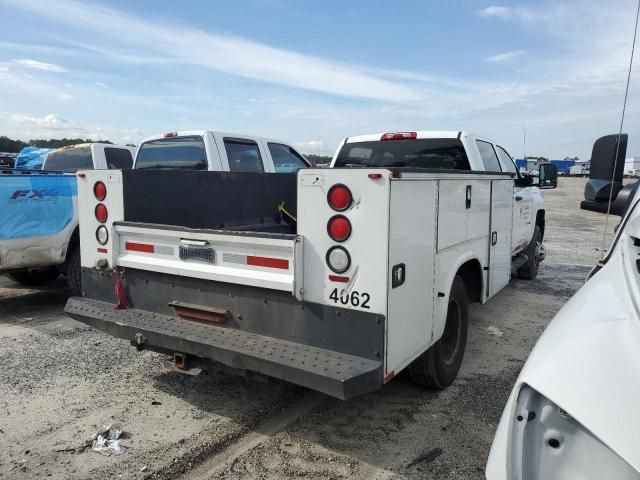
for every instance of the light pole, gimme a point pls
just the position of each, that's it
(524, 143)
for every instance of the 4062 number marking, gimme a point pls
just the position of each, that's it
(354, 298)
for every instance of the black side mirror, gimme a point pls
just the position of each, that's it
(547, 176)
(525, 180)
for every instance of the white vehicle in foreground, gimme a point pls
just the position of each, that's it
(372, 271)
(573, 412)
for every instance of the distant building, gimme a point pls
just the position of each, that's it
(632, 166)
(532, 164)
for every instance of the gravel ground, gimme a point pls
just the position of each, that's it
(61, 381)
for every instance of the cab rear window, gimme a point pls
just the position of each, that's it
(432, 153)
(180, 153)
(69, 160)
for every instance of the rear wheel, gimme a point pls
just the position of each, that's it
(529, 270)
(438, 367)
(34, 278)
(73, 271)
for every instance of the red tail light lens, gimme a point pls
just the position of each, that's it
(101, 213)
(339, 197)
(100, 191)
(339, 228)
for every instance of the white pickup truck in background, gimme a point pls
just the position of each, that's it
(218, 151)
(39, 236)
(368, 269)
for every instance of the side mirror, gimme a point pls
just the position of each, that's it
(548, 176)
(525, 180)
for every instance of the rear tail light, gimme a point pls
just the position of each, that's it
(339, 228)
(170, 134)
(339, 197)
(101, 213)
(338, 259)
(102, 235)
(399, 136)
(100, 191)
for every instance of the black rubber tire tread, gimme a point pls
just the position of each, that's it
(34, 278)
(529, 270)
(73, 271)
(429, 369)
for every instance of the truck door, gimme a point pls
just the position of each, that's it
(500, 235)
(522, 205)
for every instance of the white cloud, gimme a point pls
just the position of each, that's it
(100, 85)
(505, 56)
(49, 122)
(36, 65)
(505, 13)
(312, 146)
(224, 53)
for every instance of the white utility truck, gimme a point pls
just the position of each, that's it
(335, 279)
(39, 233)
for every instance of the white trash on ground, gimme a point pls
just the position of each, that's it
(108, 441)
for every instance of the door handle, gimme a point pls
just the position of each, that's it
(468, 197)
(494, 238)
(518, 198)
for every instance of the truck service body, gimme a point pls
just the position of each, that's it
(374, 274)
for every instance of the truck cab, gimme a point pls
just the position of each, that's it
(218, 151)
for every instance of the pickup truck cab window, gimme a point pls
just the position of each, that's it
(118, 158)
(437, 153)
(285, 158)
(243, 155)
(489, 157)
(182, 153)
(505, 160)
(69, 160)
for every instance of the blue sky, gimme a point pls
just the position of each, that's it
(313, 72)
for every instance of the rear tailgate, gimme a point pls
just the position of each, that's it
(257, 260)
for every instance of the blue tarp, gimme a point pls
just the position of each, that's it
(32, 206)
(32, 157)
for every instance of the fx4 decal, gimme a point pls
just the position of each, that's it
(44, 194)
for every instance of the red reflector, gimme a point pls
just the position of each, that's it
(282, 263)
(101, 213)
(138, 247)
(339, 278)
(170, 134)
(195, 315)
(375, 176)
(339, 228)
(389, 377)
(399, 136)
(339, 197)
(102, 250)
(100, 190)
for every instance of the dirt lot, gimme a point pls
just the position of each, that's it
(61, 381)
